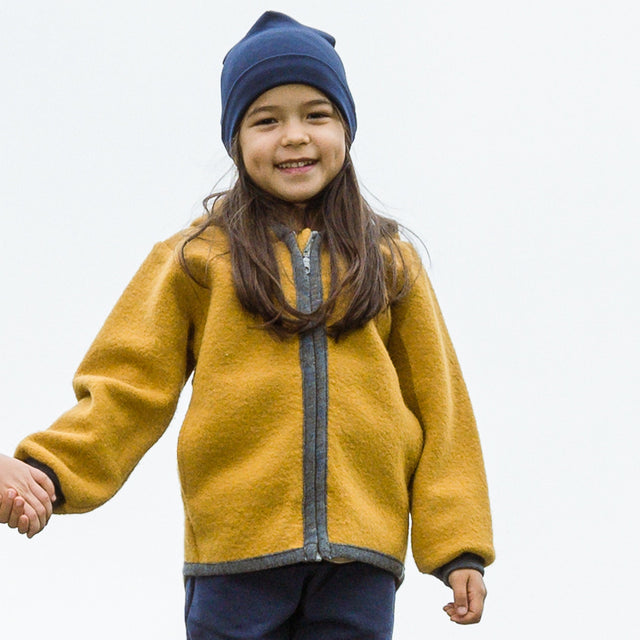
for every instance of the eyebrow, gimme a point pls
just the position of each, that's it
(273, 107)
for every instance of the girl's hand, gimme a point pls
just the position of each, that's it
(34, 493)
(469, 593)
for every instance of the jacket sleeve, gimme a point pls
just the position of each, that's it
(449, 498)
(127, 387)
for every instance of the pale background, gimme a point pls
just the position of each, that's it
(504, 133)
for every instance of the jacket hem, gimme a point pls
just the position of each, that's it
(375, 558)
(295, 556)
(258, 563)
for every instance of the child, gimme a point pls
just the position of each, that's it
(327, 401)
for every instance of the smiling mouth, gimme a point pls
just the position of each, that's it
(296, 164)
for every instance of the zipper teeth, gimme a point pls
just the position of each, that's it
(315, 487)
(306, 261)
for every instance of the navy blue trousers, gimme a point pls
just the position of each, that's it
(323, 601)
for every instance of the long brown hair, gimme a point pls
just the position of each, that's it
(367, 266)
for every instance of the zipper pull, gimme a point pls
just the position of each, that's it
(306, 254)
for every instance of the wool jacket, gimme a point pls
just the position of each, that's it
(292, 450)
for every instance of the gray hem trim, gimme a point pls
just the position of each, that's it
(270, 561)
(296, 556)
(375, 558)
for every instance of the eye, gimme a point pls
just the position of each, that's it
(319, 115)
(263, 122)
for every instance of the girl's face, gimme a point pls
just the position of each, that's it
(292, 142)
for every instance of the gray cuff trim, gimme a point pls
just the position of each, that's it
(463, 561)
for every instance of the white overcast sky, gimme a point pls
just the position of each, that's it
(504, 133)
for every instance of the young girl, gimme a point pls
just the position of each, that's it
(327, 403)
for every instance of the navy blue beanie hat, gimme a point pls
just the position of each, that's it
(278, 50)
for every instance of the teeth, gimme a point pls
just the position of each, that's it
(295, 165)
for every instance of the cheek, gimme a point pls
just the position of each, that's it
(340, 146)
(251, 156)
(247, 143)
(340, 153)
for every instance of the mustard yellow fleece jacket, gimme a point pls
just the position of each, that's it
(294, 450)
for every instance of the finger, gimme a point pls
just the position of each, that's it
(5, 508)
(450, 610)
(40, 502)
(44, 481)
(43, 497)
(34, 521)
(42, 512)
(23, 524)
(16, 511)
(460, 595)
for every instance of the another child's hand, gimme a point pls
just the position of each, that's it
(12, 511)
(26, 493)
(469, 594)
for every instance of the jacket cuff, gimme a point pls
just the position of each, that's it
(463, 561)
(52, 476)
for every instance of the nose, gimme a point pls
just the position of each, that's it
(295, 134)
